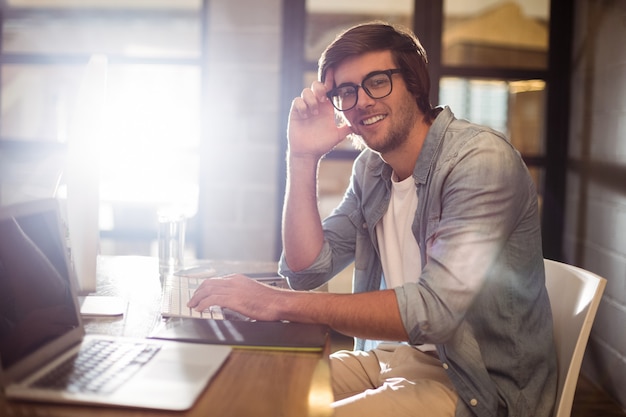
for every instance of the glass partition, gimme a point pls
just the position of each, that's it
(515, 108)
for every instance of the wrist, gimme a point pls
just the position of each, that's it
(302, 161)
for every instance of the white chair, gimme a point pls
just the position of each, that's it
(574, 296)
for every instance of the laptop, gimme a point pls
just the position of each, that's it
(41, 329)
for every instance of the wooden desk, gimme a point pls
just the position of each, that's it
(251, 382)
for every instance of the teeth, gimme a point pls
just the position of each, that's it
(372, 120)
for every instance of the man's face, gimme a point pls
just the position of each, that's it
(385, 123)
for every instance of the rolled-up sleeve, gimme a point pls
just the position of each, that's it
(470, 212)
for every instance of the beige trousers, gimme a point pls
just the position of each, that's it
(392, 380)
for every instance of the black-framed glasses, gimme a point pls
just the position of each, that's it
(376, 85)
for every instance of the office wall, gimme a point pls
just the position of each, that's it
(595, 225)
(239, 179)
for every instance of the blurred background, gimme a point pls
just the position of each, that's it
(160, 104)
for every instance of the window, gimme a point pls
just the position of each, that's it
(494, 58)
(143, 125)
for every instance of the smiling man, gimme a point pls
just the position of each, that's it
(450, 312)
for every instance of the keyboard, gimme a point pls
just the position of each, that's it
(100, 366)
(178, 289)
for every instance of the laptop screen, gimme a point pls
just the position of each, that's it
(36, 305)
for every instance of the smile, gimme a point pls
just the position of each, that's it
(372, 120)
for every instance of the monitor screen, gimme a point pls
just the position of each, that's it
(36, 304)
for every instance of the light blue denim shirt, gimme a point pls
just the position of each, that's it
(481, 297)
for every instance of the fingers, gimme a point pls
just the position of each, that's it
(319, 90)
(310, 100)
(345, 130)
(224, 291)
(206, 292)
(305, 106)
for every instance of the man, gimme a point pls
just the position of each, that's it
(441, 221)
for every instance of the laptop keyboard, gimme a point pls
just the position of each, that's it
(100, 366)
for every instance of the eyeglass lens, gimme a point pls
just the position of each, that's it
(376, 86)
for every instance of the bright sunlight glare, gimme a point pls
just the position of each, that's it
(147, 154)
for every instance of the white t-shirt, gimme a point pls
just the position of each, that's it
(395, 237)
(399, 251)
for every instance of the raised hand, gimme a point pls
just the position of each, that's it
(313, 130)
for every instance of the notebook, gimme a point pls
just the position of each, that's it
(41, 328)
(242, 334)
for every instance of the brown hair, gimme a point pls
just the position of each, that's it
(407, 52)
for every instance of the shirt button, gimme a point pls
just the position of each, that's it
(445, 366)
(473, 402)
(364, 226)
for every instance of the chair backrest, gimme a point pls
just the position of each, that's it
(574, 297)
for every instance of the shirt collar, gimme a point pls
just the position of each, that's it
(432, 143)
